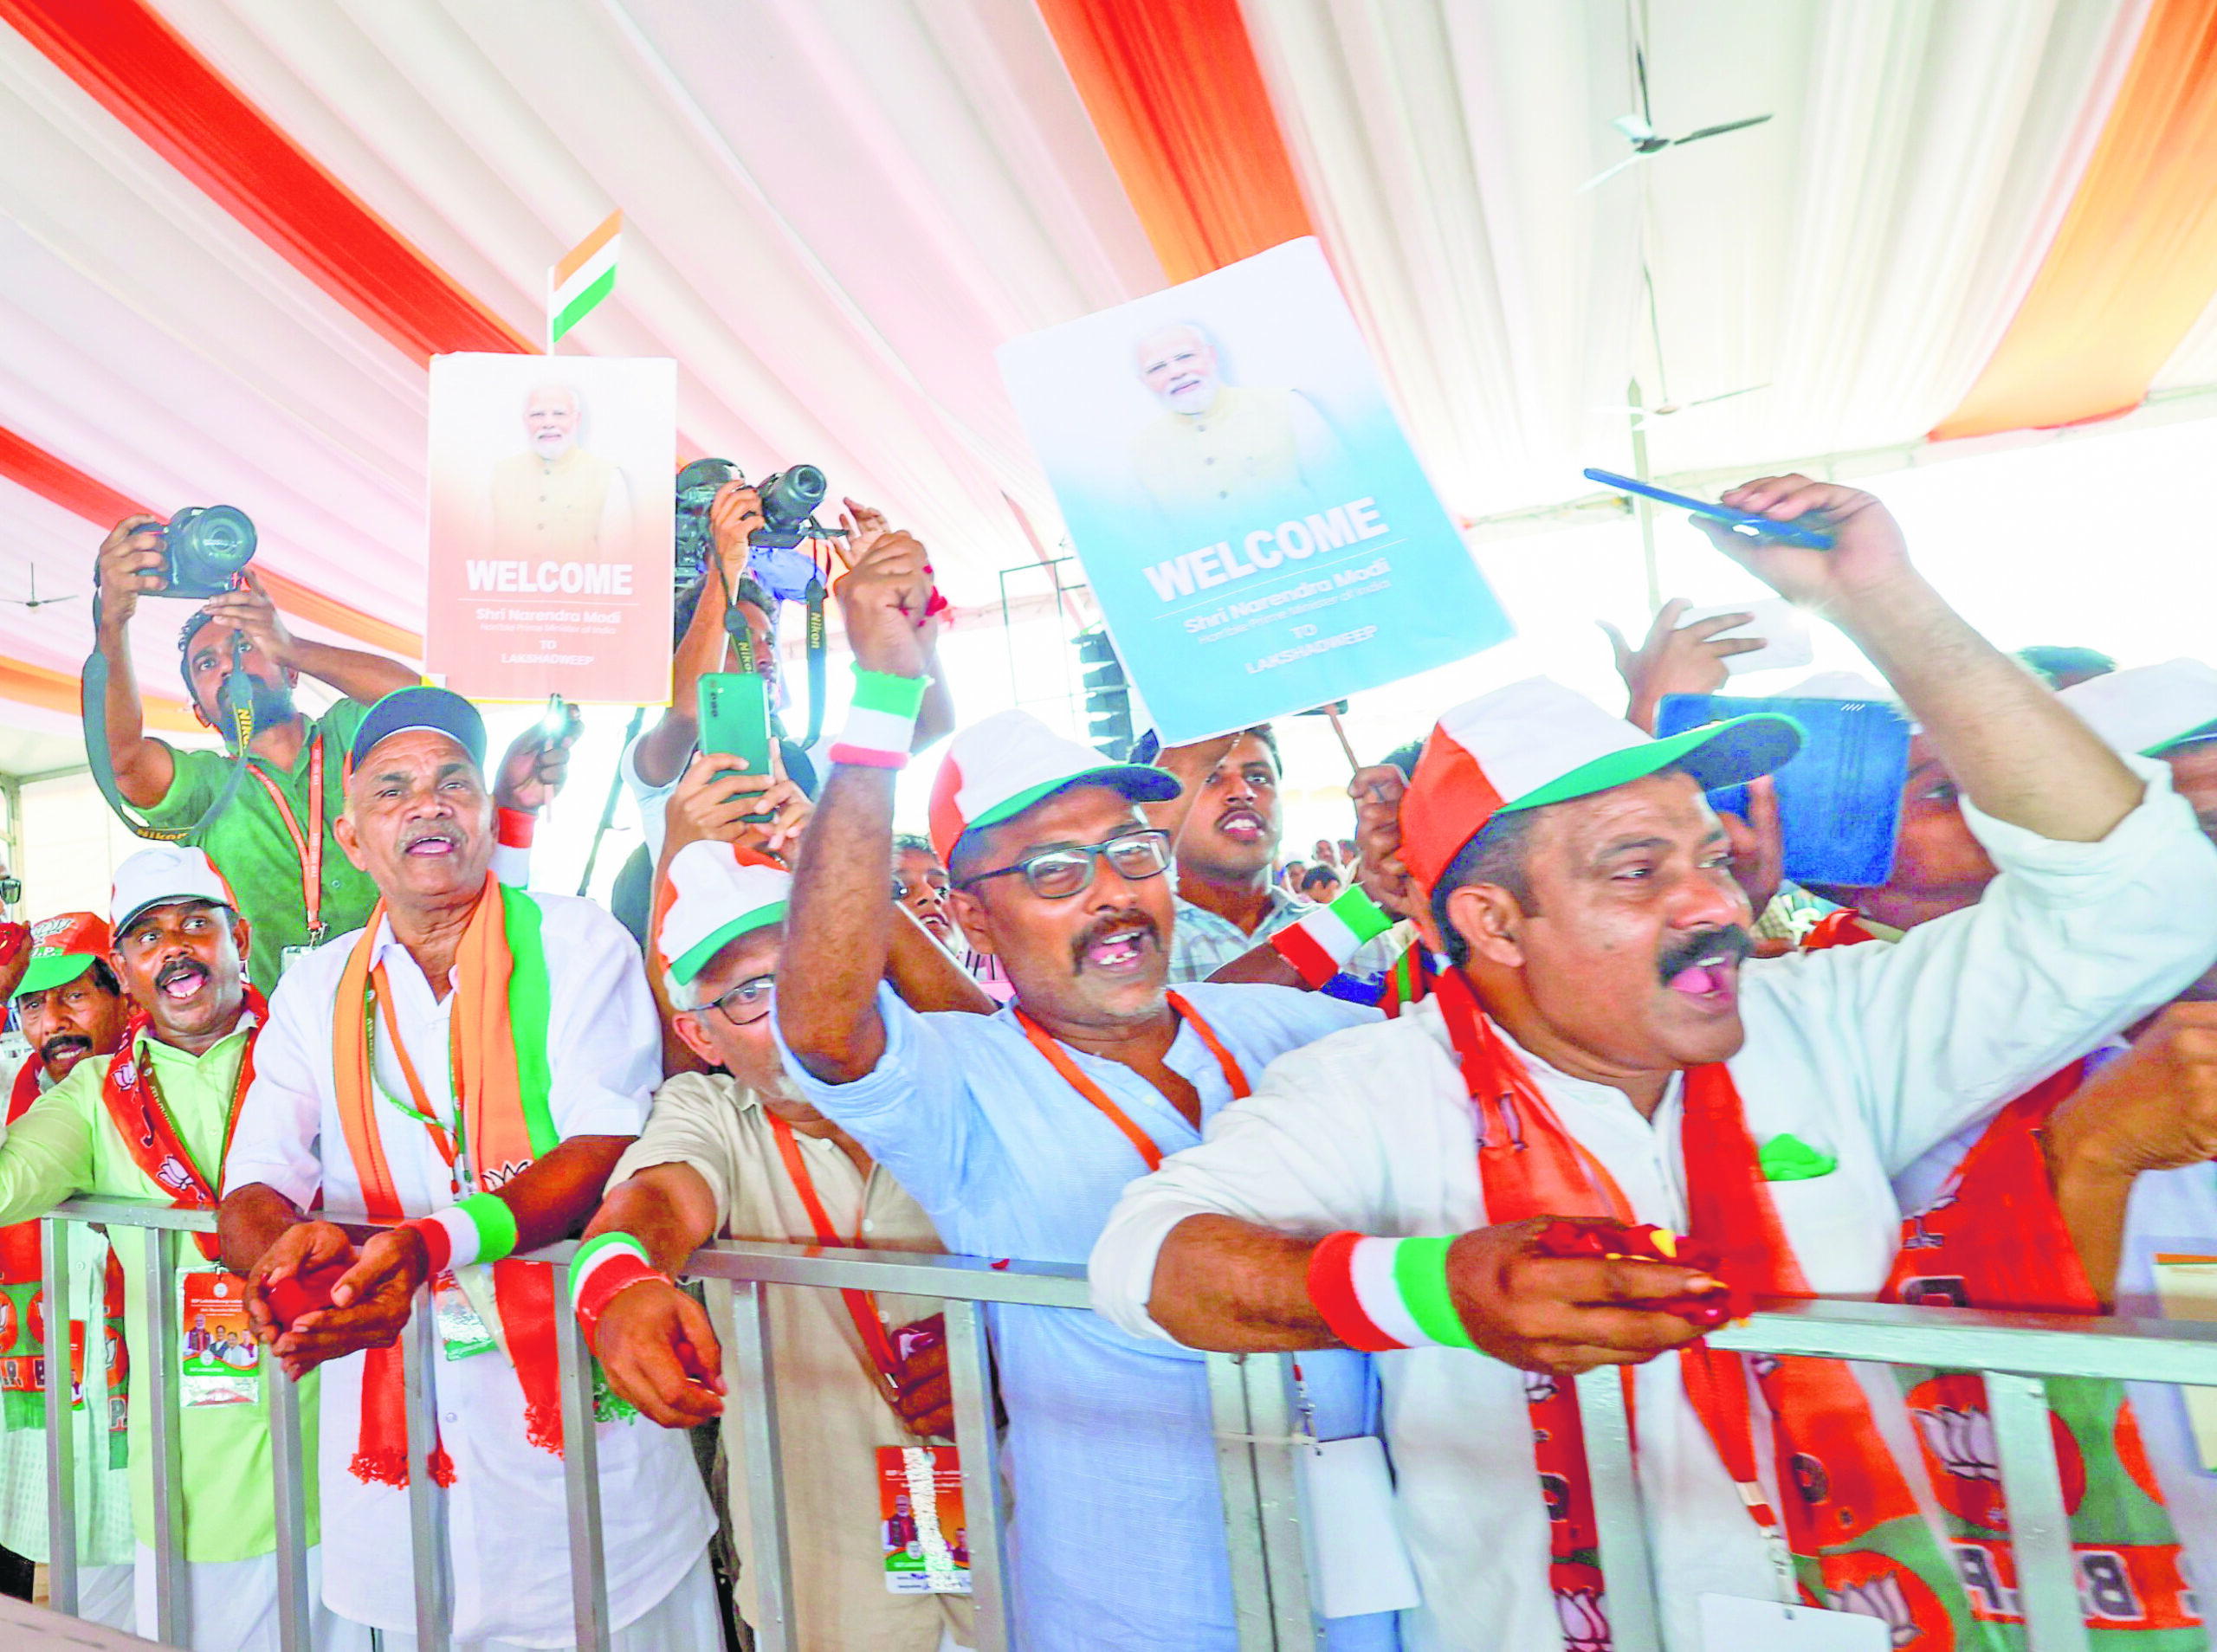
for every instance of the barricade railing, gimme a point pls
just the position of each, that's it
(1253, 1401)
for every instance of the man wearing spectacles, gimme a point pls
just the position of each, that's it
(1016, 1132)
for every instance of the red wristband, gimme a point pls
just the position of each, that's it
(512, 828)
(619, 1273)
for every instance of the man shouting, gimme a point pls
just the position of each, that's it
(1466, 1185)
(469, 1065)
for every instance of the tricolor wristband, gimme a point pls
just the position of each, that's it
(881, 721)
(480, 1228)
(1319, 946)
(1383, 1294)
(605, 1264)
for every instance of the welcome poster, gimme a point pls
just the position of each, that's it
(1247, 512)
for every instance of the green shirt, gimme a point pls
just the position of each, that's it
(66, 1144)
(254, 849)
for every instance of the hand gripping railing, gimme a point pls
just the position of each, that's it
(1252, 1399)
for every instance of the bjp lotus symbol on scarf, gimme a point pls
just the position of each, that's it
(172, 1174)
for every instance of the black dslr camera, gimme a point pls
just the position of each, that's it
(205, 548)
(790, 499)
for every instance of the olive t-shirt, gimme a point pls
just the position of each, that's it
(254, 850)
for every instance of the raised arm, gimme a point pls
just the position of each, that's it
(130, 562)
(2016, 751)
(839, 932)
(363, 678)
(661, 753)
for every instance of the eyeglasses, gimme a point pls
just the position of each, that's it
(746, 1004)
(1058, 874)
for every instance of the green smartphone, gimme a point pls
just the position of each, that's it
(735, 721)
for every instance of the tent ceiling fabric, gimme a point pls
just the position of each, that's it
(835, 210)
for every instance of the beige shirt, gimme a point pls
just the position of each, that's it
(572, 508)
(831, 1417)
(1253, 446)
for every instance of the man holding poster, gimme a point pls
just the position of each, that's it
(1261, 540)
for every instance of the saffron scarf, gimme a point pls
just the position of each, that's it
(1994, 1238)
(23, 1346)
(142, 1118)
(498, 1023)
(1858, 1540)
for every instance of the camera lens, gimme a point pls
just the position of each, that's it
(212, 543)
(790, 497)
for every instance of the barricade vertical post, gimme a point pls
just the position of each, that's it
(426, 1499)
(1243, 1508)
(2040, 1530)
(1618, 1518)
(290, 1474)
(1273, 1414)
(172, 1601)
(766, 1500)
(969, 1370)
(60, 1434)
(580, 1472)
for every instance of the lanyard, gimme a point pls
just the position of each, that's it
(310, 845)
(442, 1138)
(862, 1306)
(163, 1137)
(1059, 1059)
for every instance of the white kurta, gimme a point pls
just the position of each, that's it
(1870, 1054)
(506, 1529)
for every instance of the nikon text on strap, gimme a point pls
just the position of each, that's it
(237, 699)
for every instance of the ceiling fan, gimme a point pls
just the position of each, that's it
(1640, 129)
(35, 601)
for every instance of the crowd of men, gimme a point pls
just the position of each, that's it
(1526, 1090)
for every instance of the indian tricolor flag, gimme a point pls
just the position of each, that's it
(586, 275)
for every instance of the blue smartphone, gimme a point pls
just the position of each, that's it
(1753, 527)
(1840, 796)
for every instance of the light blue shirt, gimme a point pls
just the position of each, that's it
(1118, 1540)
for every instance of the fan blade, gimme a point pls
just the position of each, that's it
(1633, 127)
(1598, 178)
(1718, 132)
(1725, 396)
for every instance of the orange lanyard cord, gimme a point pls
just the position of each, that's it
(862, 1306)
(1059, 1059)
(310, 845)
(442, 1138)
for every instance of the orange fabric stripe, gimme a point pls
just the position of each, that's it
(1178, 99)
(574, 259)
(2134, 262)
(59, 691)
(60, 482)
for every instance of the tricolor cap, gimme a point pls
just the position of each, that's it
(995, 770)
(421, 705)
(1537, 742)
(2149, 709)
(162, 876)
(63, 948)
(713, 893)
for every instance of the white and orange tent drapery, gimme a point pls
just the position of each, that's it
(233, 232)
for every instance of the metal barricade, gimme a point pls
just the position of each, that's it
(1253, 1400)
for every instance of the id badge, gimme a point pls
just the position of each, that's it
(1729, 1620)
(288, 956)
(1356, 1561)
(462, 1331)
(921, 1531)
(219, 1362)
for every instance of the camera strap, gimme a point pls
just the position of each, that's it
(237, 703)
(814, 597)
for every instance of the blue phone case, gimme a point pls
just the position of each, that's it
(1755, 527)
(1839, 798)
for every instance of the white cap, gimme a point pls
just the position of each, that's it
(997, 769)
(712, 895)
(162, 874)
(2148, 709)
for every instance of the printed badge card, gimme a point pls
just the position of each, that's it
(1260, 536)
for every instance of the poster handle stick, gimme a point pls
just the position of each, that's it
(1332, 713)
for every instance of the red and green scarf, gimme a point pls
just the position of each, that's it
(1995, 1239)
(1858, 1539)
(503, 1005)
(23, 1317)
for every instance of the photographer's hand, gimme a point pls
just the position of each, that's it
(733, 515)
(251, 610)
(130, 562)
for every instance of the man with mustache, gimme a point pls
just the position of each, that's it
(70, 1005)
(274, 842)
(467, 1066)
(1465, 1189)
(150, 1122)
(1015, 1132)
